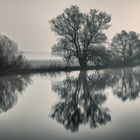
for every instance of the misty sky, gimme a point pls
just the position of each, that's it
(26, 21)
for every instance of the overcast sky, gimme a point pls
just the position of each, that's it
(26, 21)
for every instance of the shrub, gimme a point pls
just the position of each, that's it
(10, 57)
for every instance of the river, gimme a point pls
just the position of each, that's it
(99, 105)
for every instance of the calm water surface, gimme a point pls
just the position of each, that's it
(91, 105)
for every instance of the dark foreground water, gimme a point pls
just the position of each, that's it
(91, 105)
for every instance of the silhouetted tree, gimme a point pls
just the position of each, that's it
(81, 35)
(81, 101)
(126, 47)
(10, 57)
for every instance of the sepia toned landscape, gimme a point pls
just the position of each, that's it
(69, 70)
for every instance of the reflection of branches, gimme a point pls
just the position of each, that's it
(127, 85)
(81, 98)
(10, 87)
(81, 101)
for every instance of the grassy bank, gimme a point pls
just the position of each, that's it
(38, 67)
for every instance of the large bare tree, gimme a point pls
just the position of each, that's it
(80, 34)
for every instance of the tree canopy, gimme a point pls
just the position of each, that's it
(80, 34)
(125, 47)
(10, 57)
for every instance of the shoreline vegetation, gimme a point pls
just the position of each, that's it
(57, 68)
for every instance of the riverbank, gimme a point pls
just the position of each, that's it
(62, 68)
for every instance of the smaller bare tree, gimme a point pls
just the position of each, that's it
(126, 46)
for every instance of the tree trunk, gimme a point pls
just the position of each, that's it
(82, 62)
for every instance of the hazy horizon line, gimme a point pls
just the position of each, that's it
(35, 51)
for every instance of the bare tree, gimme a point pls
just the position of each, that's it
(126, 46)
(80, 34)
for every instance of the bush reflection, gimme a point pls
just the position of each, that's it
(10, 88)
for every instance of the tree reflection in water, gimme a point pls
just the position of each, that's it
(81, 101)
(10, 88)
(82, 97)
(126, 84)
